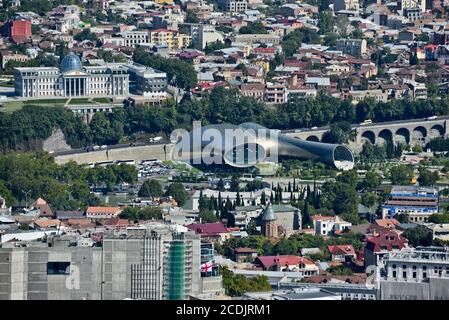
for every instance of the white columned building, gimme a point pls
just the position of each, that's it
(72, 80)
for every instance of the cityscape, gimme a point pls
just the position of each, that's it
(224, 150)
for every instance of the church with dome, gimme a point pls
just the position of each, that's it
(72, 79)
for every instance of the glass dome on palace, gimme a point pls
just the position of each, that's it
(70, 62)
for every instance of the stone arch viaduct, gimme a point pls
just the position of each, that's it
(412, 132)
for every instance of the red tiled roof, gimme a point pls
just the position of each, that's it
(103, 210)
(342, 249)
(208, 229)
(290, 260)
(45, 223)
(265, 50)
(385, 240)
(387, 223)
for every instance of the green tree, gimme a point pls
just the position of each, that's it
(130, 213)
(150, 213)
(105, 129)
(370, 182)
(348, 177)
(183, 72)
(207, 216)
(402, 217)
(341, 197)
(414, 59)
(178, 192)
(326, 21)
(419, 236)
(330, 39)
(439, 218)
(86, 35)
(151, 188)
(401, 175)
(254, 28)
(427, 177)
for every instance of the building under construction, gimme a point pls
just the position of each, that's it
(154, 261)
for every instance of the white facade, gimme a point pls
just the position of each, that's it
(134, 38)
(233, 5)
(88, 82)
(208, 34)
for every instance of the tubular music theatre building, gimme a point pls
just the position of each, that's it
(72, 80)
(252, 144)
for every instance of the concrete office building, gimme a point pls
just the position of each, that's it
(72, 80)
(148, 82)
(417, 202)
(233, 5)
(207, 34)
(355, 47)
(157, 261)
(415, 274)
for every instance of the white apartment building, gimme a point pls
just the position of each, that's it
(134, 38)
(207, 34)
(325, 226)
(233, 5)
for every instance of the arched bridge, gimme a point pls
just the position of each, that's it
(413, 132)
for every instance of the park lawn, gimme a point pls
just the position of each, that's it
(7, 84)
(12, 106)
(102, 100)
(80, 101)
(46, 101)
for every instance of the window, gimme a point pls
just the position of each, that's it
(414, 275)
(404, 274)
(394, 274)
(58, 267)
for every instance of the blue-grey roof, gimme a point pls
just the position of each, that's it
(268, 214)
(70, 62)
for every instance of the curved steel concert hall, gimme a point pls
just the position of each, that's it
(252, 144)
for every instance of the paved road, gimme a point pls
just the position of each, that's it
(115, 146)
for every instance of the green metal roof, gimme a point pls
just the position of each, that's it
(268, 214)
(283, 208)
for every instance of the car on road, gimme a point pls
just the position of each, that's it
(155, 139)
(368, 121)
(432, 118)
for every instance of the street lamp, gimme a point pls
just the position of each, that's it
(26, 197)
